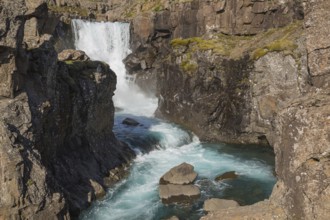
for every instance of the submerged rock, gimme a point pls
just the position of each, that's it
(181, 174)
(172, 193)
(130, 121)
(227, 175)
(214, 204)
(173, 218)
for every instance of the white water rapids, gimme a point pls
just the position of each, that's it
(161, 145)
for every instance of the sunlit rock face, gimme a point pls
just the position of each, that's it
(265, 91)
(56, 120)
(273, 92)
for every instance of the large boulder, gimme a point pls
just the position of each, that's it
(214, 204)
(172, 193)
(181, 174)
(176, 185)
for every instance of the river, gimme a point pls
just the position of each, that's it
(161, 145)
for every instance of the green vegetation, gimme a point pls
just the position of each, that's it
(236, 47)
(278, 45)
(69, 62)
(30, 182)
(279, 39)
(158, 8)
(284, 42)
(221, 44)
(69, 9)
(143, 6)
(189, 66)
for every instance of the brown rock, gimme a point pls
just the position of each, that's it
(212, 205)
(171, 193)
(181, 174)
(226, 176)
(173, 218)
(317, 40)
(258, 211)
(74, 55)
(98, 189)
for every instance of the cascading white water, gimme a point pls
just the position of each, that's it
(109, 42)
(136, 198)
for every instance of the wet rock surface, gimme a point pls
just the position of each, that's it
(176, 186)
(182, 174)
(171, 193)
(130, 122)
(227, 176)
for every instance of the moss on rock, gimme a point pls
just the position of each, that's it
(235, 47)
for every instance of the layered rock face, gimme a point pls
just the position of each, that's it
(176, 185)
(247, 72)
(267, 85)
(56, 142)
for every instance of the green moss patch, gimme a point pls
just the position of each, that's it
(235, 47)
(282, 39)
(221, 44)
(83, 12)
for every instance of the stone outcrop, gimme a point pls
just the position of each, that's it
(182, 174)
(171, 193)
(70, 55)
(57, 148)
(176, 185)
(130, 121)
(269, 87)
(212, 205)
(226, 176)
(258, 211)
(231, 80)
(152, 31)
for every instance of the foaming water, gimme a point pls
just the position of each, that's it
(109, 42)
(160, 146)
(137, 196)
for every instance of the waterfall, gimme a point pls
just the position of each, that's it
(109, 42)
(136, 197)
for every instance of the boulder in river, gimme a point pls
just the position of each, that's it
(130, 121)
(172, 193)
(214, 204)
(181, 174)
(227, 175)
(176, 185)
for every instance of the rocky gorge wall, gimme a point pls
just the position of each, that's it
(261, 82)
(57, 149)
(241, 71)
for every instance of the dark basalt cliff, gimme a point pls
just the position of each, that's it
(56, 142)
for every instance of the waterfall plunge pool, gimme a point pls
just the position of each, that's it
(161, 145)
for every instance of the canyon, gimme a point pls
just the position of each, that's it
(239, 71)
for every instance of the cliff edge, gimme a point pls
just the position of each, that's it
(56, 142)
